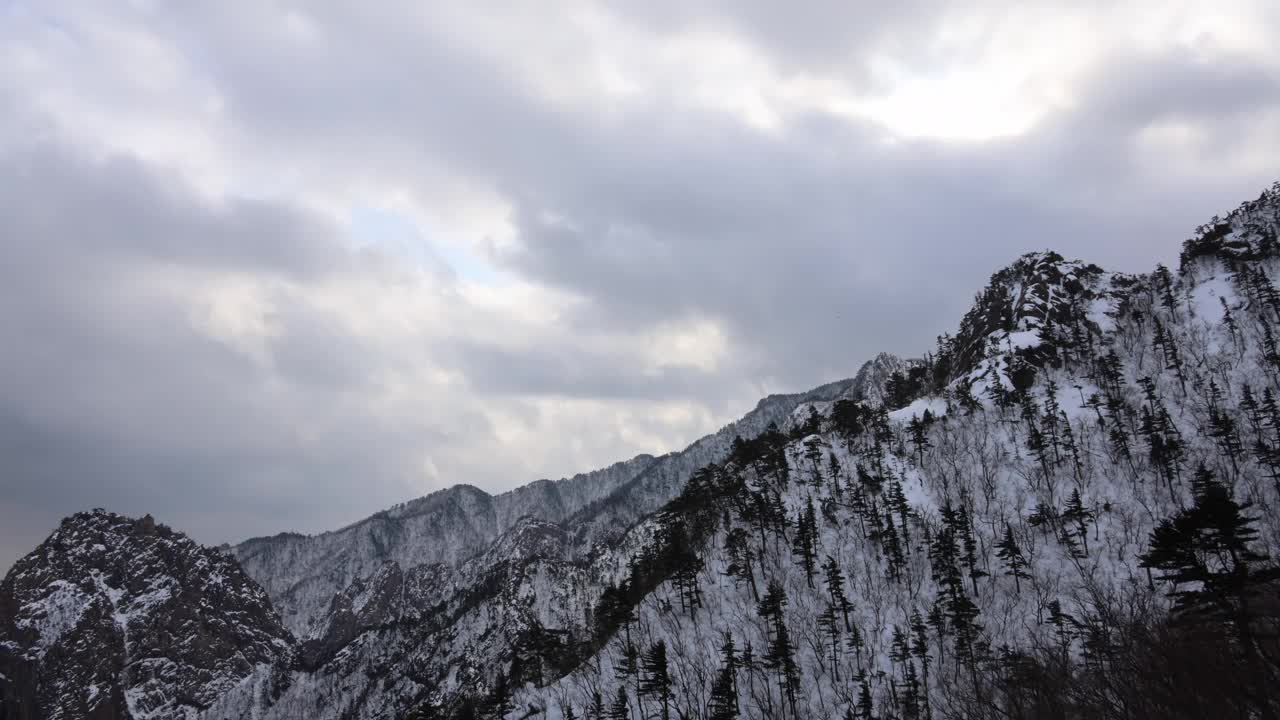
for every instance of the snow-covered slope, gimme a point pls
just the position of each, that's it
(989, 544)
(304, 573)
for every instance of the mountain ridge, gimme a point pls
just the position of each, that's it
(976, 509)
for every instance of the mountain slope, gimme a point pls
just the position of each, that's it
(304, 573)
(986, 559)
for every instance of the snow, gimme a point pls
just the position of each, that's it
(936, 406)
(1022, 339)
(1206, 298)
(55, 614)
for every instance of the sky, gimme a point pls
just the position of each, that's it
(272, 266)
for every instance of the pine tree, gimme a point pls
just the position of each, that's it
(724, 688)
(595, 711)
(899, 646)
(920, 649)
(656, 680)
(893, 547)
(737, 546)
(620, 709)
(804, 545)
(855, 644)
(630, 664)
(1060, 621)
(835, 589)
(780, 656)
(829, 624)
(964, 528)
(1164, 282)
(1205, 553)
(1075, 512)
(1010, 552)
(911, 698)
(835, 471)
(865, 707)
(747, 662)
(1229, 321)
(919, 432)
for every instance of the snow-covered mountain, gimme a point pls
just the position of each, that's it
(112, 618)
(304, 573)
(977, 533)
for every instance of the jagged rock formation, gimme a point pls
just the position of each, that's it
(113, 618)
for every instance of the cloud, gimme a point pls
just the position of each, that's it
(302, 262)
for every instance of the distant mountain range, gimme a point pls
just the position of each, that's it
(925, 539)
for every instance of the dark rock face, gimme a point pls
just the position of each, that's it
(113, 618)
(364, 605)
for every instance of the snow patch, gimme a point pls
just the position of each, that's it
(52, 616)
(936, 406)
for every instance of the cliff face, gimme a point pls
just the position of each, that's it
(116, 618)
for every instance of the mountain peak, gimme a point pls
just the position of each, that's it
(108, 605)
(1249, 232)
(1025, 306)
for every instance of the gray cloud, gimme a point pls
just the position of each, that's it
(238, 366)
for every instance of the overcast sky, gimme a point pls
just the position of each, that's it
(274, 266)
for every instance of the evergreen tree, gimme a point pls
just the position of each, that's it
(724, 688)
(899, 646)
(911, 697)
(920, 649)
(741, 566)
(656, 680)
(804, 545)
(964, 529)
(620, 709)
(835, 589)
(1010, 552)
(1206, 553)
(849, 418)
(1076, 513)
(1229, 321)
(630, 664)
(748, 664)
(855, 643)
(893, 547)
(919, 432)
(866, 710)
(829, 624)
(1061, 622)
(596, 711)
(780, 656)
(835, 471)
